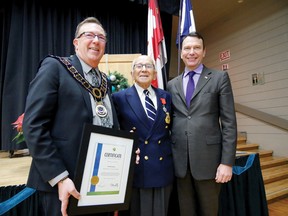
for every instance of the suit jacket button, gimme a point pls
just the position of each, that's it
(159, 141)
(146, 157)
(161, 158)
(146, 142)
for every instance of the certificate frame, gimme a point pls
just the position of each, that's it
(104, 172)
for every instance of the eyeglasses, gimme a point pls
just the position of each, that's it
(91, 36)
(147, 66)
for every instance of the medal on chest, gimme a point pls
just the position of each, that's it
(167, 118)
(101, 110)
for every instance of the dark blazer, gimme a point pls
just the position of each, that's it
(57, 107)
(206, 133)
(156, 164)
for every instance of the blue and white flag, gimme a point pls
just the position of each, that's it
(186, 20)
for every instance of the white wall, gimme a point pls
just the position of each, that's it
(257, 37)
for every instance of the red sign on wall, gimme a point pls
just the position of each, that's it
(225, 55)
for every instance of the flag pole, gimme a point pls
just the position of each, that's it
(156, 48)
(164, 71)
(178, 35)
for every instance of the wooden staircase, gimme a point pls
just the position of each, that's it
(274, 170)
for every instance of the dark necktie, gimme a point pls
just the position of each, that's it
(150, 108)
(105, 121)
(190, 88)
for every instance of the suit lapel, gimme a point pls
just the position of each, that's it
(136, 105)
(203, 80)
(76, 63)
(160, 114)
(179, 87)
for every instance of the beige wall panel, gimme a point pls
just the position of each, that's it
(118, 62)
(257, 36)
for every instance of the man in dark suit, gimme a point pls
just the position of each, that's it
(204, 130)
(154, 174)
(57, 107)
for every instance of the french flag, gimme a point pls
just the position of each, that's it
(156, 48)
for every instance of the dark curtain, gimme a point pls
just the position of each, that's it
(29, 207)
(31, 29)
(245, 194)
(168, 6)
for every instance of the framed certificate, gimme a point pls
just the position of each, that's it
(104, 172)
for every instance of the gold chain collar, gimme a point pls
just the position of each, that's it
(97, 92)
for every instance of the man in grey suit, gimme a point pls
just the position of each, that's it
(57, 107)
(204, 130)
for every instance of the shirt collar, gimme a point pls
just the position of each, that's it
(140, 89)
(86, 68)
(198, 70)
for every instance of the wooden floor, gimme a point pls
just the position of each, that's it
(14, 171)
(279, 208)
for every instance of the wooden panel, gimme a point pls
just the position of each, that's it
(14, 171)
(118, 62)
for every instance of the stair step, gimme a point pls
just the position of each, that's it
(276, 190)
(262, 153)
(245, 147)
(241, 140)
(267, 162)
(274, 169)
(275, 173)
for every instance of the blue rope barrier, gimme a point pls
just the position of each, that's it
(238, 169)
(16, 199)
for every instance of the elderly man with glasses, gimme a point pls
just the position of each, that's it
(146, 110)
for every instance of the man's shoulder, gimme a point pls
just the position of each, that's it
(55, 58)
(48, 62)
(122, 93)
(213, 70)
(173, 80)
(162, 91)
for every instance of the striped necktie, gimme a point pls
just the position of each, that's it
(94, 77)
(150, 108)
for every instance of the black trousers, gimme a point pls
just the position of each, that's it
(198, 198)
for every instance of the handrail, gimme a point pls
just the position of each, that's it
(265, 117)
